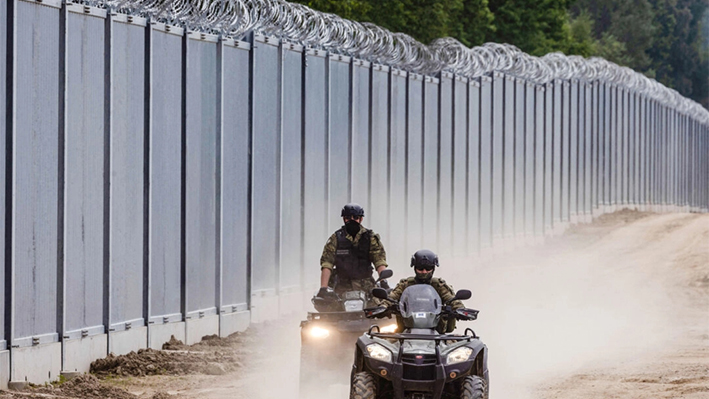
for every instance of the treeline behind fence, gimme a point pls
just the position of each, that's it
(159, 181)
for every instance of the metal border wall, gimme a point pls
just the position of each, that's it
(176, 170)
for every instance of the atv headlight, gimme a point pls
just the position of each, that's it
(319, 332)
(459, 355)
(379, 352)
(389, 329)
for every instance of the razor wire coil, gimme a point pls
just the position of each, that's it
(300, 24)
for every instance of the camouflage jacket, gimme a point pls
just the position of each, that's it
(444, 290)
(377, 255)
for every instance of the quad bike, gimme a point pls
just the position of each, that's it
(328, 334)
(419, 363)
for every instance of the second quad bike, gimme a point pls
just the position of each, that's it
(328, 334)
(419, 362)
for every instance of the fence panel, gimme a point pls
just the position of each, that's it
(84, 173)
(201, 174)
(556, 151)
(445, 164)
(625, 148)
(265, 165)
(414, 163)
(360, 132)
(34, 175)
(548, 132)
(486, 133)
(540, 176)
(475, 117)
(165, 220)
(395, 241)
(529, 148)
(643, 135)
(315, 156)
(498, 155)
(235, 175)
(430, 163)
(588, 150)
(379, 149)
(3, 171)
(634, 146)
(519, 157)
(291, 203)
(128, 124)
(612, 150)
(459, 223)
(565, 153)
(340, 151)
(573, 154)
(596, 142)
(508, 157)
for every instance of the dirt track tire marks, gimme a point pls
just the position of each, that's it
(364, 386)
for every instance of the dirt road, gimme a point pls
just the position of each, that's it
(615, 309)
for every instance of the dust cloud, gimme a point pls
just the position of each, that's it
(623, 288)
(599, 294)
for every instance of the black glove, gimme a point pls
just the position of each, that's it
(384, 284)
(325, 292)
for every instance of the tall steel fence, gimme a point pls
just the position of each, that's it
(171, 167)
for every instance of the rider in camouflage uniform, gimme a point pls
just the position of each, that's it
(424, 263)
(349, 254)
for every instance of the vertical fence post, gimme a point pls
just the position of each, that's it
(8, 145)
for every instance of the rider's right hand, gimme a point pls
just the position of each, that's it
(325, 292)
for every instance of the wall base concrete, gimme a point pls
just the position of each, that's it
(160, 333)
(79, 353)
(4, 369)
(123, 342)
(290, 302)
(198, 328)
(37, 364)
(234, 322)
(264, 308)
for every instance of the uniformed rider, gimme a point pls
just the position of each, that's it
(349, 254)
(424, 263)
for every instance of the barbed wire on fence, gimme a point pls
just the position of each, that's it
(300, 24)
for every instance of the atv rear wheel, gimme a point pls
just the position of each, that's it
(473, 387)
(364, 386)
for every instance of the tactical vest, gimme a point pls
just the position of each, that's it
(352, 261)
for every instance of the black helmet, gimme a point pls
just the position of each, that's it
(352, 209)
(426, 259)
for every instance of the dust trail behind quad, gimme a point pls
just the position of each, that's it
(612, 290)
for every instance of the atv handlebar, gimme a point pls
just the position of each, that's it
(379, 312)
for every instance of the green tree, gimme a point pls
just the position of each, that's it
(475, 23)
(535, 26)
(624, 29)
(581, 40)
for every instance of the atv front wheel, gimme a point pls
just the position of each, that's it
(473, 387)
(364, 386)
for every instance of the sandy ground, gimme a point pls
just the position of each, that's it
(615, 309)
